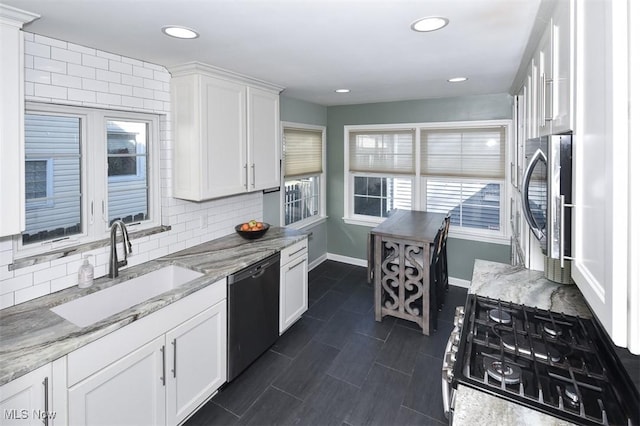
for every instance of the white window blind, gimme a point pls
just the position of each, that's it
(382, 152)
(302, 152)
(468, 152)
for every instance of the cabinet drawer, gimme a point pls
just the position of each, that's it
(290, 253)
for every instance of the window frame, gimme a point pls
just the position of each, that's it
(321, 215)
(503, 236)
(94, 184)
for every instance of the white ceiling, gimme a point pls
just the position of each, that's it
(312, 47)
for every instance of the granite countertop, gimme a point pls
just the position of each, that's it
(31, 335)
(518, 285)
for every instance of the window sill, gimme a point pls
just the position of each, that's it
(71, 250)
(307, 224)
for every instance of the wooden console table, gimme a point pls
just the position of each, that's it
(399, 254)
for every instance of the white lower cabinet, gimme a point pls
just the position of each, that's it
(27, 400)
(157, 370)
(128, 392)
(196, 366)
(294, 280)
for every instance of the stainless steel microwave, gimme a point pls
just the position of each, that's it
(547, 195)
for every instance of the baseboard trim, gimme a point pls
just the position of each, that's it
(458, 282)
(346, 259)
(317, 261)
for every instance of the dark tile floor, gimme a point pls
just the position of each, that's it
(338, 366)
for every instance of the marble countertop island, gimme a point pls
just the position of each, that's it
(31, 335)
(518, 285)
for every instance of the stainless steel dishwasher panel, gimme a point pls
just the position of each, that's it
(253, 304)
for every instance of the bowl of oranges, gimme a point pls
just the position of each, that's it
(252, 229)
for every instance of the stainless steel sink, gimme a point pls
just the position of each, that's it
(102, 304)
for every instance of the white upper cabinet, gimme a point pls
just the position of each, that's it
(605, 229)
(562, 35)
(546, 83)
(226, 133)
(263, 155)
(12, 119)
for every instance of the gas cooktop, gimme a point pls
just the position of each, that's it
(562, 365)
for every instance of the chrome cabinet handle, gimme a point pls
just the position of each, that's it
(537, 156)
(253, 174)
(175, 357)
(45, 383)
(246, 177)
(296, 252)
(297, 264)
(163, 378)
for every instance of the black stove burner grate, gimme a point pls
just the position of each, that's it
(555, 363)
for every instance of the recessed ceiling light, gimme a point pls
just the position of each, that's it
(179, 32)
(343, 90)
(457, 79)
(431, 23)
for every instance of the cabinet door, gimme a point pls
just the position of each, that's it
(26, 400)
(294, 278)
(264, 140)
(196, 361)
(12, 128)
(546, 83)
(563, 24)
(131, 391)
(224, 137)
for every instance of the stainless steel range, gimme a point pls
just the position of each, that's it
(559, 364)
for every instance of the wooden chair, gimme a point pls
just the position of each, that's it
(444, 266)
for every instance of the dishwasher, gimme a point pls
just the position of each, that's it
(253, 312)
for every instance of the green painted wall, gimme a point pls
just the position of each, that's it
(350, 240)
(297, 111)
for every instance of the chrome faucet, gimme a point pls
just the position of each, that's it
(113, 259)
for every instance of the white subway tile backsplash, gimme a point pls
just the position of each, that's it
(66, 80)
(120, 89)
(108, 99)
(95, 62)
(33, 292)
(64, 282)
(80, 95)
(153, 105)
(82, 71)
(17, 283)
(120, 67)
(66, 55)
(37, 49)
(143, 93)
(132, 102)
(50, 41)
(131, 80)
(51, 65)
(6, 300)
(108, 55)
(60, 72)
(28, 61)
(81, 49)
(95, 85)
(37, 76)
(142, 72)
(132, 61)
(48, 91)
(49, 273)
(111, 77)
(162, 75)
